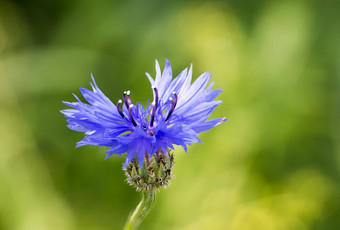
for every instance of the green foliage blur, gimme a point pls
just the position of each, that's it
(273, 166)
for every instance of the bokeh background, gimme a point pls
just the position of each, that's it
(273, 166)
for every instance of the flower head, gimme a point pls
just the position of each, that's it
(178, 113)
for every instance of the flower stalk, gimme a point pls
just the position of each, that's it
(142, 210)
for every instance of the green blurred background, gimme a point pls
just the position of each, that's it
(273, 166)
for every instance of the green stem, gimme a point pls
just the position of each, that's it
(141, 211)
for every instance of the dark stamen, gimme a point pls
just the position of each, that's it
(156, 96)
(176, 98)
(153, 114)
(128, 97)
(154, 106)
(173, 105)
(125, 100)
(131, 117)
(118, 108)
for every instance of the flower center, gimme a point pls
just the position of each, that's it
(129, 105)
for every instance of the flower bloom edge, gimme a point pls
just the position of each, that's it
(178, 113)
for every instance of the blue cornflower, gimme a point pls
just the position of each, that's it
(176, 116)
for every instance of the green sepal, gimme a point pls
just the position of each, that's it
(144, 173)
(154, 165)
(156, 171)
(168, 161)
(162, 171)
(134, 173)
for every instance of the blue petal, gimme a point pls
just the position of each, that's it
(164, 82)
(202, 126)
(158, 72)
(150, 79)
